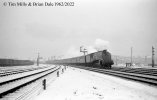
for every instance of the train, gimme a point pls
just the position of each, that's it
(14, 62)
(101, 59)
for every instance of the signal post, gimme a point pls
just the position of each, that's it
(84, 52)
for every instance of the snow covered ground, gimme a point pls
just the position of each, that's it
(79, 84)
(134, 66)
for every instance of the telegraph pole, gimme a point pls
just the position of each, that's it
(38, 60)
(84, 52)
(153, 56)
(131, 56)
(146, 60)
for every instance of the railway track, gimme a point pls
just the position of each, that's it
(148, 76)
(144, 71)
(17, 70)
(22, 84)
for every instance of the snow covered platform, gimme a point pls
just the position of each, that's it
(79, 84)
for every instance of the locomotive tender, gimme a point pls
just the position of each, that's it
(101, 59)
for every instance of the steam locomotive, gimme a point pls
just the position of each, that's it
(101, 59)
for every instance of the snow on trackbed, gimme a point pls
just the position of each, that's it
(78, 84)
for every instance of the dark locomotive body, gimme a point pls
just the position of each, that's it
(101, 59)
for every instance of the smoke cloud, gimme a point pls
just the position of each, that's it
(91, 49)
(98, 45)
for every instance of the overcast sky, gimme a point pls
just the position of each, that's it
(60, 31)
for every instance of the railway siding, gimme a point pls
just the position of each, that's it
(149, 79)
(20, 75)
(10, 85)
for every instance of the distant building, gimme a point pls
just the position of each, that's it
(136, 60)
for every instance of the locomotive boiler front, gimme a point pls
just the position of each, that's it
(102, 59)
(106, 59)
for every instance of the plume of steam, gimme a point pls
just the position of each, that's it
(100, 44)
(91, 49)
